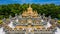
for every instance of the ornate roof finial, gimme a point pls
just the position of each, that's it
(29, 6)
(10, 16)
(29, 9)
(4, 19)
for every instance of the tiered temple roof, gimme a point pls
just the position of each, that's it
(31, 21)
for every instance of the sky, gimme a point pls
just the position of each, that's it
(30, 1)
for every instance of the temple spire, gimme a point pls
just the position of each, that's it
(30, 12)
(29, 6)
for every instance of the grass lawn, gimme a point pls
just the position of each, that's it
(58, 21)
(0, 21)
